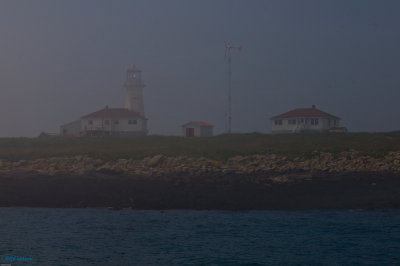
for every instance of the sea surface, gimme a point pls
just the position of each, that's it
(35, 236)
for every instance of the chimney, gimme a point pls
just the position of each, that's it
(313, 106)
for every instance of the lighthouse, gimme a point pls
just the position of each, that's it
(134, 91)
(128, 121)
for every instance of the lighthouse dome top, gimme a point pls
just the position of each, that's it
(134, 69)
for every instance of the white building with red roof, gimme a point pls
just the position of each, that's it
(114, 121)
(128, 121)
(197, 129)
(305, 120)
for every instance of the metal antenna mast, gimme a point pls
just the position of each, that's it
(228, 48)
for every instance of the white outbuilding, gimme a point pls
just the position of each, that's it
(302, 120)
(197, 129)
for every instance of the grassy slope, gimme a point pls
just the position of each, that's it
(218, 147)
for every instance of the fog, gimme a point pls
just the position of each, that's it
(60, 60)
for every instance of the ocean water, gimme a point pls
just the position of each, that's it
(35, 236)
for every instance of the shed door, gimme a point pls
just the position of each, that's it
(189, 132)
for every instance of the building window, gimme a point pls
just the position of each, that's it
(314, 121)
(116, 122)
(90, 122)
(334, 122)
(278, 122)
(292, 122)
(132, 122)
(107, 122)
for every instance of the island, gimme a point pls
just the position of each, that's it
(226, 172)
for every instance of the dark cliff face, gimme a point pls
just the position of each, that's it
(318, 190)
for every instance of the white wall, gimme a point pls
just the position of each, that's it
(134, 95)
(206, 131)
(71, 129)
(134, 100)
(303, 125)
(123, 125)
(198, 130)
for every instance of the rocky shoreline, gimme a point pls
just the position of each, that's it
(347, 180)
(160, 165)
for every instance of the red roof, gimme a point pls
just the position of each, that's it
(198, 123)
(113, 113)
(305, 112)
(134, 69)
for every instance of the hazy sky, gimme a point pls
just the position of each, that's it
(60, 60)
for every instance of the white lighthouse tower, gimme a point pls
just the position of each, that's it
(134, 91)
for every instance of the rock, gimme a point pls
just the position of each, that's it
(155, 160)
(280, 179)
(90, 168)
(160, 165)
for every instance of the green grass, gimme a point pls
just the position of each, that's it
(219, 147)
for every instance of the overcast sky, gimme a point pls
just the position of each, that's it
(60, 60)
